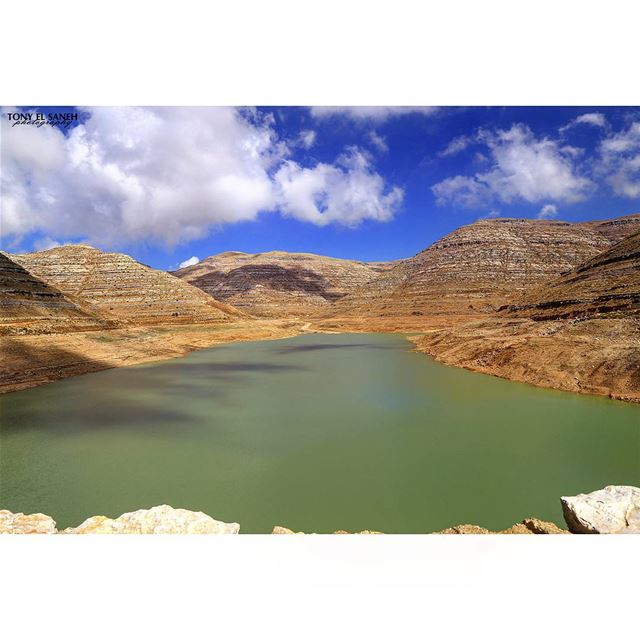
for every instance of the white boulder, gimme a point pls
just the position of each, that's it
(614, 509)
(161, 519)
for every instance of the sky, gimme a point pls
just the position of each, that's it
(173, 185)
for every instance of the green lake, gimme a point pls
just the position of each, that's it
(315, 433)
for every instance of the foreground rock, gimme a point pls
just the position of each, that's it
(21, 523)
(527, 526)
(614, 509)
(162, 519)
(283, 530)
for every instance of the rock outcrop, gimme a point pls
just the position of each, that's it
(278, 283)
(118, 289)
(607, 284)
(21, 523)
(478, 268)
(283, 530)
(578, 332)
(30, 306)
(161, 519)
(527, 526)
(614, 509)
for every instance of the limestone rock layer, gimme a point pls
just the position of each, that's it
(116, 287)
(277, 283)
(609, 283)
(30, 305)
(479, 267)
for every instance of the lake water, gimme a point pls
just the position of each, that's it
(316, 433)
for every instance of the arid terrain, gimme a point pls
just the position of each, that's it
(555, 304)
(75, 309)
(278, 284)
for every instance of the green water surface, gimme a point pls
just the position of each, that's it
(316, 433)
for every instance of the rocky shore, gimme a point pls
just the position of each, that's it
(614, 509)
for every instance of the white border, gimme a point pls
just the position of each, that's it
(192, 52)
(258, 586)
(331, 52)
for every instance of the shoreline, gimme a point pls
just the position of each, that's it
(164, 519)
(615, 509)
(46, 358)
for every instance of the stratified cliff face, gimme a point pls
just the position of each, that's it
(616, 229)
(605, 285)
(277, 283)
(478, 268)
(117, 288)
(29, 305)
(578, 332)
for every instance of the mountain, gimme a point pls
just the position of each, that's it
(476, 269)
(115, 287)
(606, 284)
(29, 305)
(278, 283)
(616, 229)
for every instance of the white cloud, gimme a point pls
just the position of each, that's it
(457, 145)
(161, 175)
(524, 168)
(593, 119)
(348, 192)
(307, 138)
(620, 161)
(463, 191)
(42, 244)
(378, 114)
(378, 142)
(189, 262)
(548, 212)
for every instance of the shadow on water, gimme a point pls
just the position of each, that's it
(218, 369)
(301, 348)
(155, 399)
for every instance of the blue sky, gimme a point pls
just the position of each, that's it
(165, 185)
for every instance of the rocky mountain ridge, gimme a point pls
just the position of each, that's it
(30, 305)
(607, 284)
(478, 268)
(120, 290)
(279, 283)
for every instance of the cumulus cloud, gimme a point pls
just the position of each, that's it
(620, 161)
(347, 192)
(457, 145)
(524, 168)
(377, 114)
(548, 212)
(189, 262)
(161, 175)
(592, 119)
